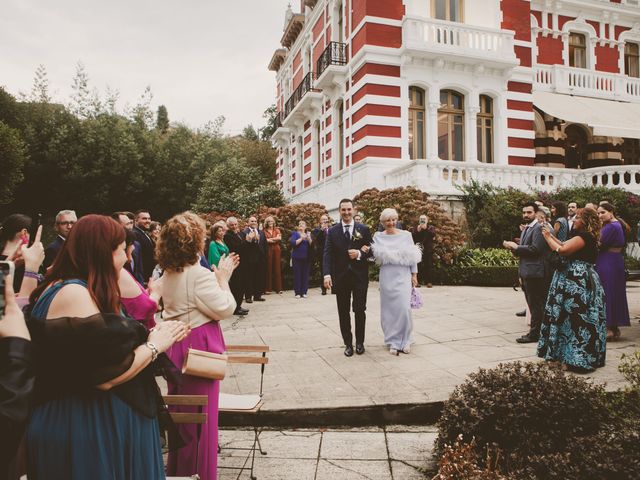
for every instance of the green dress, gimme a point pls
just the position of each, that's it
(216, 250)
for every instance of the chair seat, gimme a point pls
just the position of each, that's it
(239, 403)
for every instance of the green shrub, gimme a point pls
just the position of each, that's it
(629, 367)
(547, 425)
(461, 461)
(524, 409)
(485, 257)
(476, 275)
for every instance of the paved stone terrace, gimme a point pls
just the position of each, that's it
(457, 331)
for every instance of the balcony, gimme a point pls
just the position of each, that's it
(434, 39)
(443, 177)
(304, 99)
(332, 66)
(586, 83)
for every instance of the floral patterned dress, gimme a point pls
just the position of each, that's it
(574, 330)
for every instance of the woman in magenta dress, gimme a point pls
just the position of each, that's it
(137, 302)
(197, 296)
(610, 267)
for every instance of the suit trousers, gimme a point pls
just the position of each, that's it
(425, 268)
(252, 280)
(535, 292)
(236, 284)
(350, 294)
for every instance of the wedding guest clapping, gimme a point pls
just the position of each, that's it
(274, 269)
(398, 258)
(300, 241)
(200, 298)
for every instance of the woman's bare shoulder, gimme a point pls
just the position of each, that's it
(72, 300)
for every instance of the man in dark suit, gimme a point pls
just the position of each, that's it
(141, 231)
(65, 220)
(254, 251)
(134, 267)
(319, 236)
(235, 242)
(425, 234)
(533, 269)
(346, 273)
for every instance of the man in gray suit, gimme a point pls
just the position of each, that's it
(533, 270)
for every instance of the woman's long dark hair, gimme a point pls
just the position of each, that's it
(561, 209)
(87, 254)
(611, 209)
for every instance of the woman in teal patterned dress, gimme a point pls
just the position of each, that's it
(573, 330)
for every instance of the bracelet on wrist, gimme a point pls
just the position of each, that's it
(154, 350)
(31, 274)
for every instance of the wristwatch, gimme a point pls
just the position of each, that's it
(154, 350)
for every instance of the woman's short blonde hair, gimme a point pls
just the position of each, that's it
(268, 219)
(387, 213)
(181, 241)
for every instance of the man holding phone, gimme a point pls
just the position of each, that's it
(425, 234)
(65, 220)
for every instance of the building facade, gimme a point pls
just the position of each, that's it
(533, 94)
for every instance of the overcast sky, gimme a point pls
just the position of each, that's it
(202, 58)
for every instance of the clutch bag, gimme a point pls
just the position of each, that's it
(199, 363)
(416, 301)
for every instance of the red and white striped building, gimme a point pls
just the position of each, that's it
(434, 93)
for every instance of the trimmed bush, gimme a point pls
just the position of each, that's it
(476, 275)
(547, 425)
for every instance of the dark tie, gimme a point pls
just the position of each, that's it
(347, 234)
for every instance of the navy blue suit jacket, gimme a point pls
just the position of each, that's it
(336, 261)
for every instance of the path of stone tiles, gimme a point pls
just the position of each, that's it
(392, 453)
(459, 330)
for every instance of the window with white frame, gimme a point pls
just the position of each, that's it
(450, 10)
(451, 126)
(485, 129)
(416, 123)
(631, 57)
(577, 50)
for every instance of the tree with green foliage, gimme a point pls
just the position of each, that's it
(249, 133)
(270, 115)
(12, 159)
(162, 119)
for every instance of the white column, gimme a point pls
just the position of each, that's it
(433, 105)
(471, 124)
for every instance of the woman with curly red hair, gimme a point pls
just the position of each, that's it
(200, 298)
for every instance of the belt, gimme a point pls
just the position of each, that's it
(614, 249)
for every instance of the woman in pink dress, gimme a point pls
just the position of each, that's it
(137, 302)
(197, 296)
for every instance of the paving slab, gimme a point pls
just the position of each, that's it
(459, 330)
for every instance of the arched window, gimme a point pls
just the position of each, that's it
(485, 129)
(416, 123)
(577, 50)
(631, 56)
(450, 10)
(451, 126)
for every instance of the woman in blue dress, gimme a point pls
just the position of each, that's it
(573, 329)
(96, 401)
(398, 258)
(560, 222)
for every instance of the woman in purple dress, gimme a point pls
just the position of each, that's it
(610, 267)
(201, 298)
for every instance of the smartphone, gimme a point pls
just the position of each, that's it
(34, 228)
(6, 268)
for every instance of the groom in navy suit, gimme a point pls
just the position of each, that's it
(346, 273)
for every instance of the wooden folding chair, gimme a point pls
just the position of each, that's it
(249, 404)
(197, 418)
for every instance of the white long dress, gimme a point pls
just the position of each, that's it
(398, 258)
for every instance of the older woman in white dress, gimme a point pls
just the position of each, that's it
(398, 258)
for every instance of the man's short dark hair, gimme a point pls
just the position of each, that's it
(129, 215)
(534, 205)
(116, 215)
(345, 200)
(573, 201)
(143, 210)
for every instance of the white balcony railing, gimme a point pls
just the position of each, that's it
(442, 177)
(432, 37)
(586, 83)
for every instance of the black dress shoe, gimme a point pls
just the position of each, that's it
(527, 339)
(522, 313)
(258, 299)
(348, 351)
(248, 300)
(324, 292)
(359, 348)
